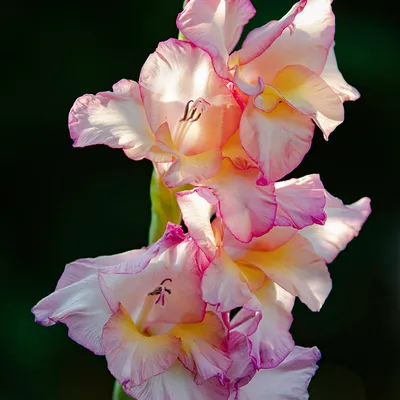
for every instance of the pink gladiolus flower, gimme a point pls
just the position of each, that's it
(265, 275)
(143, 310)
(186, 116)
(286, 70)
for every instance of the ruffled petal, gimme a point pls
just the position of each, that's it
(259, 39)
(243, 368)
(215, 26)
(305, 40)
(271, 342)
(132, 357)
(288, 381)
(116, 119)
(196, 213)
(310, 95)
(332, 76)
(247, 209)
(277, 140)
(343, 223)
(79, 303)
(296, 268)
(136, 261)
(193, 169)
(204, 348)
(301, 202)
(225, 284)
(178, 383)
(178, 79)
(275, 238)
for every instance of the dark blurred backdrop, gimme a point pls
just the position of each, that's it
(64, 203)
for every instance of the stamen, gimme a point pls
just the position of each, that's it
(186, 111)
(193, 111)
(149, 303)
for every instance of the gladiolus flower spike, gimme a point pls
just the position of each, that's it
(221, 127)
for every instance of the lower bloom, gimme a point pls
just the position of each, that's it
(143, 310)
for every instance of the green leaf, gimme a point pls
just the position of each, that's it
(164, 207)
(119, 394)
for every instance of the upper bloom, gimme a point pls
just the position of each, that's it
(187, 124)
(286, 72)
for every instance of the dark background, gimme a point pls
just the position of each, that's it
(64, 203)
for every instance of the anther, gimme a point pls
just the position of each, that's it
(193, 111)
(160, 292)
(186, 111)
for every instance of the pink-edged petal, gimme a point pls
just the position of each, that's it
(259, 39)
(204, 348)
(178, 383)
(193, 169)
(296, 268)
(343, 224)
(135, 262)
(300, 202)
(196, 213)
(243, 368)
(224, 284)
(332, 76)
(278, 140)
(215, 26)
(132, 357)
(275, 238)
(310, 95)
(247, 209)
(84, 267)
(185, 169)
(271, 342)
(305, 41)
(80, 305)
(288, 381)
(177, 73)
(116, 119)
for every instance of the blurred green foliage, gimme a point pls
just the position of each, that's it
(64, 203)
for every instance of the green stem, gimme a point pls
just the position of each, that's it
(164, 207)
(118, 393)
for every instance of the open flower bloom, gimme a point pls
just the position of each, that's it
(143, 310)
(186, 116)
(287, 381)
(264, 276)
(285, 69)
(194, 116)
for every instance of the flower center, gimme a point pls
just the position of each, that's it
(159, 291)
(192, 113)
(194, 109)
